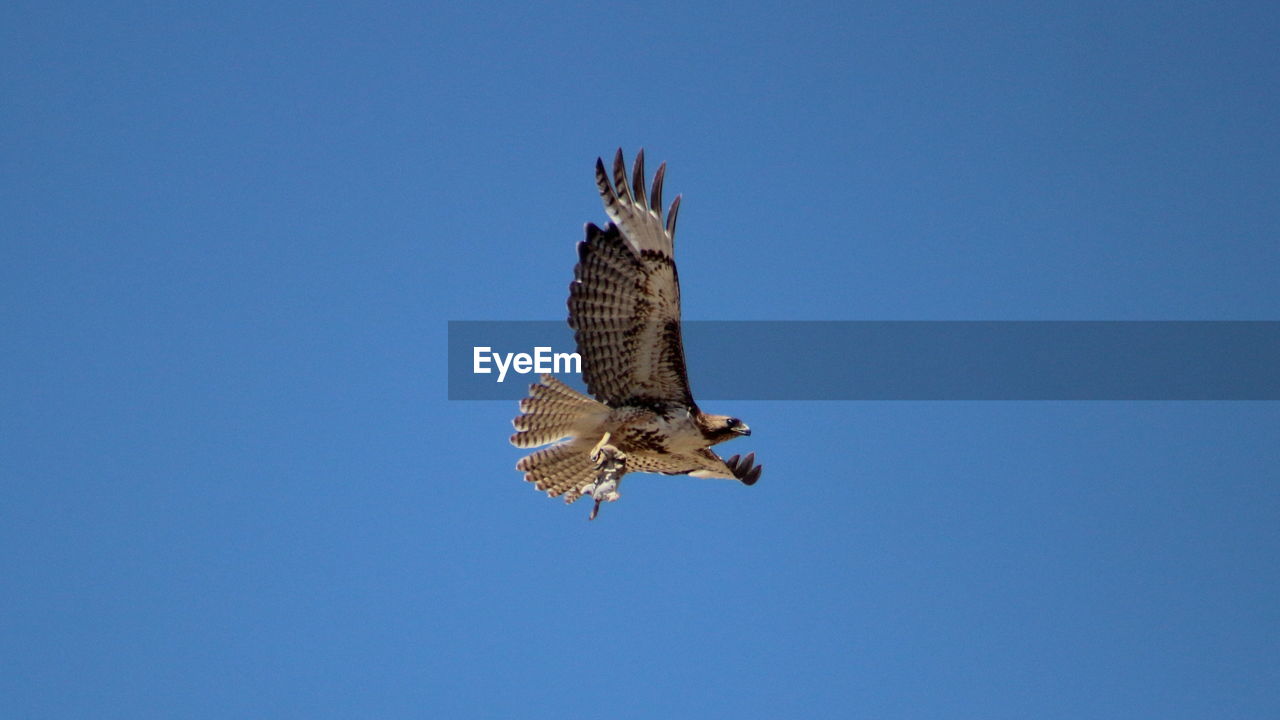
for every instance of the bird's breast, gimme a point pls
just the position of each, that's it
(645, 430)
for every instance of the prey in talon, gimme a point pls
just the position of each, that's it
(610, 465)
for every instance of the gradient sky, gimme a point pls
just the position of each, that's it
(231, 484)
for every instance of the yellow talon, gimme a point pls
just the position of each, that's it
(595, 451)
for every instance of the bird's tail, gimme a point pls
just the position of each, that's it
(564, 469)
(554, 411)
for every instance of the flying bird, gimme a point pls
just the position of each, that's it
(624, 308)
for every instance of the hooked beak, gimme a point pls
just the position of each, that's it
(744, 430)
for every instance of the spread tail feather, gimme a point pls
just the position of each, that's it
(554, 411)
(563, 469)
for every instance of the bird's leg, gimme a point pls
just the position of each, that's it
(610, 467)
(595, 451)
(596, 454)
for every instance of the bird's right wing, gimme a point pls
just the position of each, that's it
(624, 302)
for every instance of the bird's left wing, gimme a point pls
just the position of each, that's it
(701, 463)
(624, 302)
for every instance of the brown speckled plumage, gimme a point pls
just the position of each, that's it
(624, 308)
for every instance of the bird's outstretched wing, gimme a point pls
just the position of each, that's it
(624, 302)
(704, 463)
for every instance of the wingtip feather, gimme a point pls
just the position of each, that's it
(620, 177)
(671, 216)
(655, 195)
(637, 179)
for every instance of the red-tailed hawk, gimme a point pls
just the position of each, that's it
(624, 306)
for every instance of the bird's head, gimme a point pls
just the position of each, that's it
(719, 428)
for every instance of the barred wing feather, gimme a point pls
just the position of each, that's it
(624, 302)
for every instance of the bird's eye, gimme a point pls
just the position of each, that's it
(734, 422)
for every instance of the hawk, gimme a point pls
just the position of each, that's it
(624, 308)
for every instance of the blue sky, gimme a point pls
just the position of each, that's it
(231, 484)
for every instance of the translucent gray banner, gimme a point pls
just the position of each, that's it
(869, 360)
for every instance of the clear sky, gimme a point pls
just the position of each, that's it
(231, 484)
